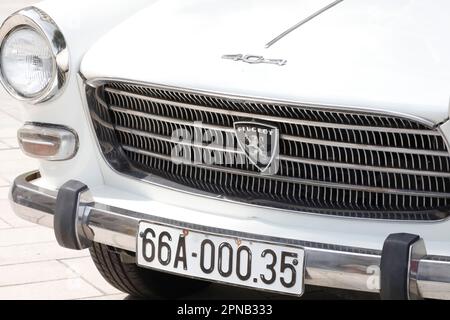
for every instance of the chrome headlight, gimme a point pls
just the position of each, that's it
(34, 60)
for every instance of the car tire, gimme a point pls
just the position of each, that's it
(140, 282)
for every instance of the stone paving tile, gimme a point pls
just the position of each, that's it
(13, 109)
(13, 155)
(4, 193)
(4, 183)
(37, 252)
(10, 167)
(8, 126)
(30, 235)
(4, 146)
(10, 143)
(34, 272)
(7, 215)
(87, 270)
(50, 290)
(109, 297)
(4, 225)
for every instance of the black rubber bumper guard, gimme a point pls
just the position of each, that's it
(67, 222)
(399, 259)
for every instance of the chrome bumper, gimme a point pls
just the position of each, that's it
(327, 265)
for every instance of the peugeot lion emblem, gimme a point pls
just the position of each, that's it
(260, 143)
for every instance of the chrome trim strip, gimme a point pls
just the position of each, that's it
(284, 157)
(433, 278)
(42, 23)
(172, 120)
(96, 82)
(366, 168)
(268, 118)
(298, 180)
(315, 14)
(33, 203)
(365, 147)
(183, 142)
(416, 253)
(327, 265)
(283, 136)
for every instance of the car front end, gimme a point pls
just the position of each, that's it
(321, 159)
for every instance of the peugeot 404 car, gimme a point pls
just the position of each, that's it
(261, 144)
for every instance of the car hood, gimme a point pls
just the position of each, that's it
(390, 56)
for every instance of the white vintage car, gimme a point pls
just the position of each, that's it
(262, 144)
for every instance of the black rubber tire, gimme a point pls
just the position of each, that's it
(141, 282)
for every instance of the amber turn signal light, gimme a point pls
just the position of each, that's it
(47, 141)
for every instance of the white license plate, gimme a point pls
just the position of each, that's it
(242, 262)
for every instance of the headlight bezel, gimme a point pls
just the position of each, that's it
(41, 23)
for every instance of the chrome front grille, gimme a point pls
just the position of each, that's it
(335, 162)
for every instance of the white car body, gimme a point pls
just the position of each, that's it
(378, 56)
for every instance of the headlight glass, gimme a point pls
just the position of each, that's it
(27, 62)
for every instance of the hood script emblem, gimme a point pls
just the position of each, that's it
(253, 59)
(260, 143)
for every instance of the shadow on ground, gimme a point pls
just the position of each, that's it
(221, 292)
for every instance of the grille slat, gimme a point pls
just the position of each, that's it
(133, 114)
(279, 178)
(344, 163)
(282, 119)
(296, 159)
(372, 157)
